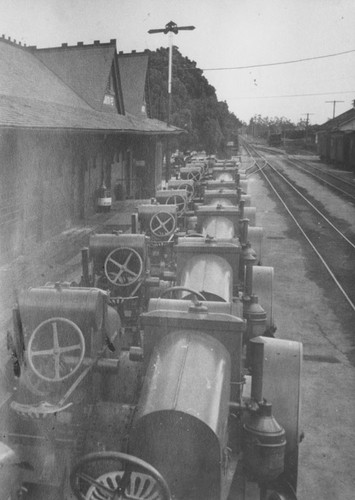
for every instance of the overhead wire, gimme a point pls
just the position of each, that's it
(279, 63)
(296, 95)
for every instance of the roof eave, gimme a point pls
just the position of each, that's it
(94, 131)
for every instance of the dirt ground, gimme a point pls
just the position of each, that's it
(308, 309)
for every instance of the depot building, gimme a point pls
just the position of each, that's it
(72, 118)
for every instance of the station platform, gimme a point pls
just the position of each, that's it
(58, 258)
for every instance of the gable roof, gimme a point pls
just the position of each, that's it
(133, 72)
(22, 75)
(85, 69)
(32, 96)
(339, 121)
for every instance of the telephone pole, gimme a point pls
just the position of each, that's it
(334, 102)
(307, 123)
(308, 115)
(171, 28)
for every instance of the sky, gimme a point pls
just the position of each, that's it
(228, 34)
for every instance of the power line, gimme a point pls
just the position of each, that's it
(334, 103)
(279, 63)
(295, 95)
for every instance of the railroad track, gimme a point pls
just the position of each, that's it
(327, 178)
(333, 248)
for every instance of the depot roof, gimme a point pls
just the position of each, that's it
(345, 121)
(66, 88)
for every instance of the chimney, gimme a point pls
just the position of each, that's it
(80, 44)
(64, 45)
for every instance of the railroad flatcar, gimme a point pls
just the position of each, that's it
(199, 405)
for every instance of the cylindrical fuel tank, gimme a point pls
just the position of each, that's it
(100, 245)
(83, 306)
(218, 227)
(162, 195)
(223, 196)
(220, 184)
(232, 308)
(224, 176)
(221, 170)
(146, 212)
(210, 275)
(219, 202)
(192, 171)
(218, 211)
(86, 307)
(175, 183)
(180, 426)
(229, 251)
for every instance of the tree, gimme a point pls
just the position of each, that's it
(195, 107)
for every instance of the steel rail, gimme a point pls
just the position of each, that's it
(266, 162)
(348, 299)
(323, 180)
(297, 163)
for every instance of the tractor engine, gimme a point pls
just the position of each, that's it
(119, 264)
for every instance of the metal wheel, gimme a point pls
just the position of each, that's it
(175, 289)
(132, 478)
(194, 175)
(49, 342)
(179, 201)
(162, 224)
(189, 188)
(123, 266)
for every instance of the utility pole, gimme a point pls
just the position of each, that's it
(307, 123)
(334, 102)
(308, 115)
(171, 28)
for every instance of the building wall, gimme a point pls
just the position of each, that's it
(49, 180)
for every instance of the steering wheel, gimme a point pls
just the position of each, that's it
(55, 336)
(123, 266)
(179, 201)
(132, 478)
(162, 224)
(173, 289)
(189, 188)
(194, 175)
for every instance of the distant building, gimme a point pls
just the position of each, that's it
(336, 140)
(69, 121)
